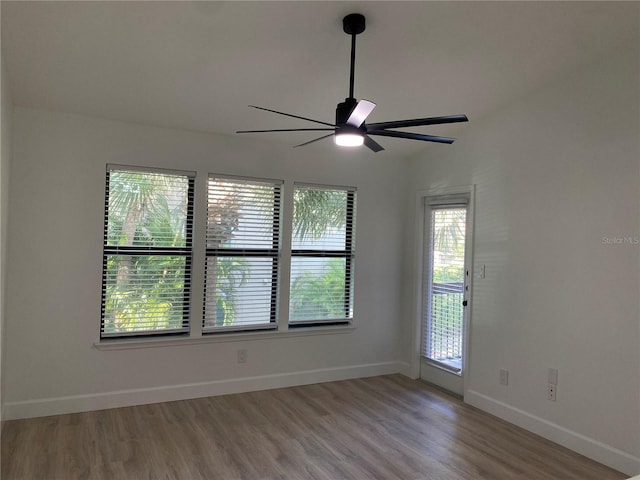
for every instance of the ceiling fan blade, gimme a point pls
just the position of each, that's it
(372, 144)
(314, 140)
(293, 116)
(288, 130)
(412, 136)
(360, 113)
(418, 122)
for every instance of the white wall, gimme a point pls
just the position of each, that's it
(56, 229)
(6, 108)
(556, 173)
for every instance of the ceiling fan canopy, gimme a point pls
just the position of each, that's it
(350, 129)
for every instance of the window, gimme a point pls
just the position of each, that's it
(322, 253)
(147, 252)
(243, 246)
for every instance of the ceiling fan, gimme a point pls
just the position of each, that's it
(350, 129)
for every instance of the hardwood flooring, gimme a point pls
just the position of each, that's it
(386, 428)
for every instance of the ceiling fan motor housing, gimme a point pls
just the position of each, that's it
(344, 109)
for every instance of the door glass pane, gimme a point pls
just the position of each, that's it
(443, 342)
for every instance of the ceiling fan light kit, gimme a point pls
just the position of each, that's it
(349, 139)
(350, 129)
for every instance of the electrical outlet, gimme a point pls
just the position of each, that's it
(242, 356)
(551, 392)
(552, 376)
(504, 377)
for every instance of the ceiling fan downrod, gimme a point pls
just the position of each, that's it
(353, 24)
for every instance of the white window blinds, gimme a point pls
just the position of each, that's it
(322, 255)
(147, 252)
(242, 244)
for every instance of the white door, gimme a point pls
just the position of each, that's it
(445, 293)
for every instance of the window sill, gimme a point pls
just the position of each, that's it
(124, 344)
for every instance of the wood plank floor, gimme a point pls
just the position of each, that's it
(387, 428)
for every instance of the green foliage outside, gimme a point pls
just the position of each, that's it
(448, 273)
(146, 292)
(318, 292)
(315, 212)
(231, 274)
(316, 296)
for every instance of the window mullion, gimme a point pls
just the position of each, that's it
(199, 255)
(285, 253)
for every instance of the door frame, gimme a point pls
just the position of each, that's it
(419, 251)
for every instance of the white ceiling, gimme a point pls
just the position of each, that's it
(197, 65)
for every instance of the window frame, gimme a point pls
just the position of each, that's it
(274, 252)
(192, 331)
(126, 250)
(348, 253)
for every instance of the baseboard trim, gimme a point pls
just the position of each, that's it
(598, 451)
(125, 398)
(407, 370)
